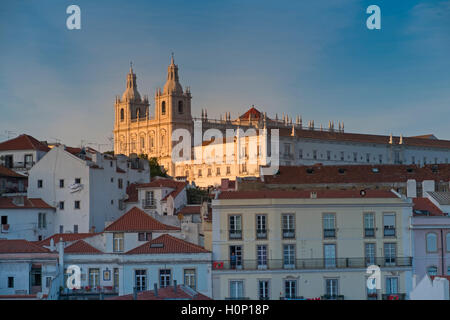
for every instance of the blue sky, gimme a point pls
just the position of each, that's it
(313, 58)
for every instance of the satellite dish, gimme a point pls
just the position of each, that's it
(362, 193)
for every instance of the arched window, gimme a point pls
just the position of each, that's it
(431, 242)
(163, 108)
(152, 142)
(142, 143)
(432, 271)
(122, 114)
(180, 106)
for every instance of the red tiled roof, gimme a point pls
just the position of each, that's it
(81, 247)
(178, 186)
(424, 204)
(132, 193)
(29, 203)
(136, 220)
(6, 172)
(383, 173)
(364, 138)
(166, 293)
(23, 142)
(167, 244)
(73, 150)
(66, 237)
(190, 209)
(255, 114)
(20, 246)
(303, 194)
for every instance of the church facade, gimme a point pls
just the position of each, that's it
(138, 132)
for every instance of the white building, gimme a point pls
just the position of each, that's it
(26, 269)
(25, 218)
(87, 188)
(21, 153)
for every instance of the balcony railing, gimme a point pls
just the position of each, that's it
(318, 263)
(332, 297)
(329, 233)
(369, 232)
(394, 296)
(148, 203)
(389, 231)
(235, 234)
(288, 233)
(261, 234)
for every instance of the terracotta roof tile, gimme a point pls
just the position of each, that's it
(342, 174)
(178, 186)
(23, 142)
(20, 246)
(136, 220)
(166, 293)
(66, 237)
(81, 247)
(167, 244)
(189, 209)
(364, 138)
(253, 112)
(6, 172)
(424, 205)
(29, 203)
(303, 194)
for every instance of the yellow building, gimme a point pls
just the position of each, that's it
(302, 244)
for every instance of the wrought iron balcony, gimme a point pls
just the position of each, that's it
(332, 297)
(148, 203)
(394, 296)
(318, 263)
(389, 231)
(329, 233)
(235, 234)
(369, 232)
(261, 234)
(288, 233)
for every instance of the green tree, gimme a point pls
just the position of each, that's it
(155, 168)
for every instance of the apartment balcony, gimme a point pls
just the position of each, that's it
(261, 234)
(329, 233)
(148, 203)
(369, 232)
(235, 234)
(312, 264)
(288, 233)
(389, 232)
(89, 293)
(394, 296)
(332, 297)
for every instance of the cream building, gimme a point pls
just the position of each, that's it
(302, 244)
(140, 131)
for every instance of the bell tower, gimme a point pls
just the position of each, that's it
(172, 111)
(129, 109)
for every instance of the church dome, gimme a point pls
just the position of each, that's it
(172, 87)
(131, 92)
(172, 84)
